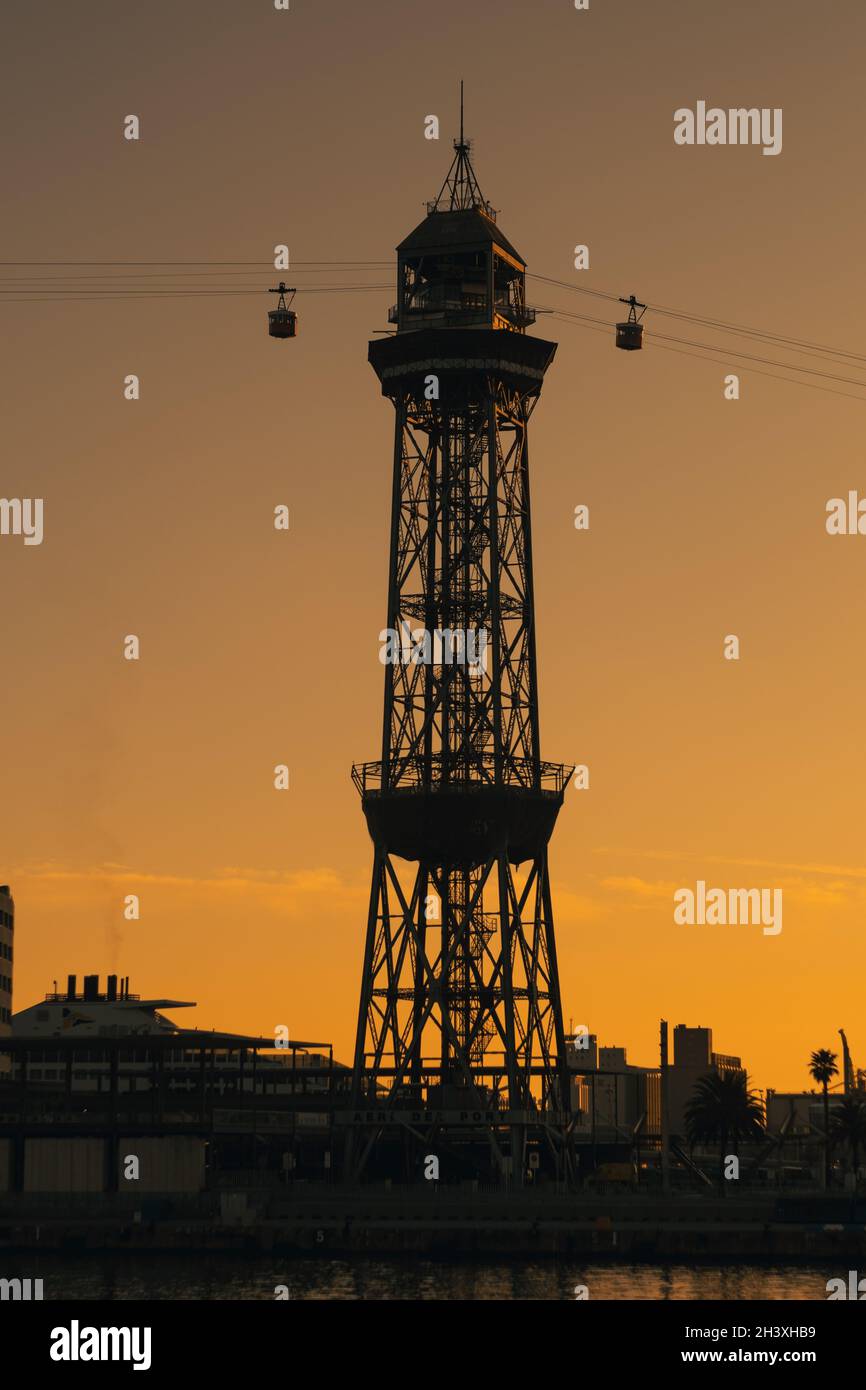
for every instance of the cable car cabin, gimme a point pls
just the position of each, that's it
(629, 336)
(283, 321)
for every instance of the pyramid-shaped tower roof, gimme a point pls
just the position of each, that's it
(455, 230)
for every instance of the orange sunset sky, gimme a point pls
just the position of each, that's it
(707, 516)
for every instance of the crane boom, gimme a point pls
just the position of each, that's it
(848, 1064)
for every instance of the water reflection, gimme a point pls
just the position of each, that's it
(238, 1277)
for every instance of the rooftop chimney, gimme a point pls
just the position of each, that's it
(70, 986)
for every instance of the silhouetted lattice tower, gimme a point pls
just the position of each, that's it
(460, 1011)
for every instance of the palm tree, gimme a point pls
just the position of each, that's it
(723, 1108)
(849, 1126)
(822, 1068)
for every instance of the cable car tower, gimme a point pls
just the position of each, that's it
(460, 1050)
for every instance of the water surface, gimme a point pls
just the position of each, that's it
(242, 1277)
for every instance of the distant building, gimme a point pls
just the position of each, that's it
(609, 1097)
(583, 1053)
(693, 1047)
(7, 928)
(804, 1111)
(693, 1058)
(90, 1015)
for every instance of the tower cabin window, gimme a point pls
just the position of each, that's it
(446, 288)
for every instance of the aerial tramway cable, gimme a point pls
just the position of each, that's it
(135, 283)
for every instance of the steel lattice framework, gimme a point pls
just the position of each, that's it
(460, 1002)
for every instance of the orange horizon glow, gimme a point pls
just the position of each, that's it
(707, 517)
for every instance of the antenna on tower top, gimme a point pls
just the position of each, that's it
(460, 189)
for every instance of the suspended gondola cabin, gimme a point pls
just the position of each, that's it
(283, 321)
(629, 335)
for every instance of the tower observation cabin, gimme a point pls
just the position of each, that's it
(456, 269)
